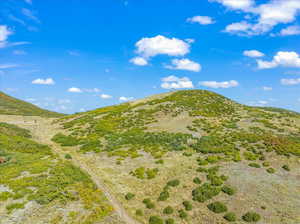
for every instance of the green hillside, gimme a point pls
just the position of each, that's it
(193, 157)
(50, 189)
(13, 106)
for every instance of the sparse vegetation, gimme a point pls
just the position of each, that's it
(230, 217)
(217, 207)
(251, 217)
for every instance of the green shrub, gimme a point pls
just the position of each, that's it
(129, 196)
(286, 167)
(251, 217)
(64, 140)
(68, 156)
(230, 217)
(173, 183)
(266, 164)
(13, 206)
(155, 220)
(169, 221)
(205, 192)
(182, 214)
(149, 204)
(197, 180)
(256, 165)
(163, 196)
(187, 205)
(139, 212)
(159, 161)
(217, 207)
(271, 170)
(228, 190)
(168, 210)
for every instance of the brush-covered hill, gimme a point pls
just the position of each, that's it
(193, 157)
(12, 106)
(38, 186)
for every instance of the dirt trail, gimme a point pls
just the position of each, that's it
(42, 130)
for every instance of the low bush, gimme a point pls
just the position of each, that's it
(163, 196)
(228, 190)
(129, 196)
(271, 170)
(170, 221)
(197, 180)
(149, 204)
(139, 212)
(205, 192)
(255, 165)
(173, 183)
(286, 167)
(168, 210)
(217, 207)
(266, 164)
(64, 140)
(230, 217)
(155, 220)
(251, 217)
(68, 156)
(187, 205)
(182, 214)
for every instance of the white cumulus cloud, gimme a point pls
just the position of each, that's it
(39, 81)
(265, 16)
(203, 20)
(150, 47)
(125, 99)
(282, 58)
(4, 33)
(216, 85)
(267, 88)
(75, 90)
(253, 53)
(290, 30)
(290, 82)
(105, 96)
(139, 61)
(184, 64)
(174, 82)
(236, 4)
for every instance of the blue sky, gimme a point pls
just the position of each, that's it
(76, 55)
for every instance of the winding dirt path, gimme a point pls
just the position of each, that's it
(42, 130)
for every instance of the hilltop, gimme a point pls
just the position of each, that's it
(13, 106)
(180, 157)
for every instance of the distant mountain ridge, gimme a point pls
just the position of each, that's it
(12, 106)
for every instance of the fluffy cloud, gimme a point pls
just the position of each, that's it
(73, 53)
(93, 90)
(216, 85)
(290, 82)
(282, 58)
(203, 20)
(236, 4)
(150, 47)
(253, 54)
(4, 33)
(184, 64)
(75, 90)
(267, 88)
(48, 81)
(139, 61)
(266, 15)
(125, 99)
(290, 30)
(173, 82)
(105, 96)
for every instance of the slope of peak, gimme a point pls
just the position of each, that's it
(12, 106)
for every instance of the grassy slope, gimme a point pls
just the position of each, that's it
(38, 182)
(13, 106)
(140, 146)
